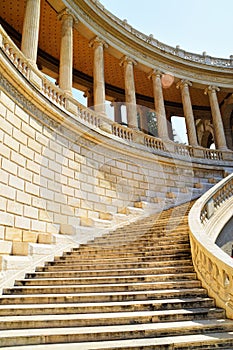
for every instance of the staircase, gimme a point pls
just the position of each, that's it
(134, 288)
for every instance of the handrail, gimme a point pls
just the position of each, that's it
(214, 268)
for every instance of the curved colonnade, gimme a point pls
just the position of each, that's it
(64, 165)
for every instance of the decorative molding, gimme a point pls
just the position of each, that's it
(97, 41)
(211, 88)
(127, 60)
(183, 83)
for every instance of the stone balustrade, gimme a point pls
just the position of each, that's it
(206, 219)
(93, 118)
(154, 143)
(122, 132)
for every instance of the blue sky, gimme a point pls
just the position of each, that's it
(195, 25)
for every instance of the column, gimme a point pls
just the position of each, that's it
(98, 73)
(130, 94)
(90, 97)
(30, 35)
(188, 111)
(116, 104)
(169, 126)
(143, 119)
(159, 105)
(66, 52)
(220, 139)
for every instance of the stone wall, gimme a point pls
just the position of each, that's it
(55, 178)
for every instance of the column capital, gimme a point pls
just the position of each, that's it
(183, 83)
(66, 13)
(97, 41)
(127, 60)
(155, 73)
(211, 88)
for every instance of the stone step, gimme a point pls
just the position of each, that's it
(139, 256)
(105, 279)
(116, 264)
(107, 319)
(133, 249)
(112, 272)
(104, 296)
(118, 254)
(95, 307)
(134, 241)
(95, 288)
(163, 226)
(118, 332)
(157, 242)
(142, 236)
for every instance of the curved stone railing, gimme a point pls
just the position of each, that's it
(206, 219)
(176, 51)
(86, 115)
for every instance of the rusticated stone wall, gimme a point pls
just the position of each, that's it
(55, 178)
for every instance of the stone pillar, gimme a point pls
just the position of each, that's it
(130, 94)
(90, 98)
(188, 111)
(159, 105)
(117, 111)
(220, 139)
(30, 35)
(66, 52)
(169, 126)
(98, 73)
(143, 120)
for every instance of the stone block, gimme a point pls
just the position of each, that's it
(45, 238)
(13, 234)
(7, 101)
(5, 247)
(86, 222)
(171, 195)
(29, 236)
(20, 248)
(212, 181)
(67, 229)
(198, 185)
(105, 216)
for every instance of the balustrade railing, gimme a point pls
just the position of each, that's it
(213, 154)
(122, 131)
(154, 143)
(52, 92)
(90, 117)
(83, 114)
(206, 219)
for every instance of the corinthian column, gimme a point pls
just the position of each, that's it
(98, 73)
(188, 111)
(220, 139)
(159, 105)
(66, 52)
(30, 34)
(130, 95)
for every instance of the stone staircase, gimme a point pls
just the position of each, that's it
(134, 288)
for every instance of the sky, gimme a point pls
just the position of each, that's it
(195, 25)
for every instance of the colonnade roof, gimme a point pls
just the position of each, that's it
(92, 20)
